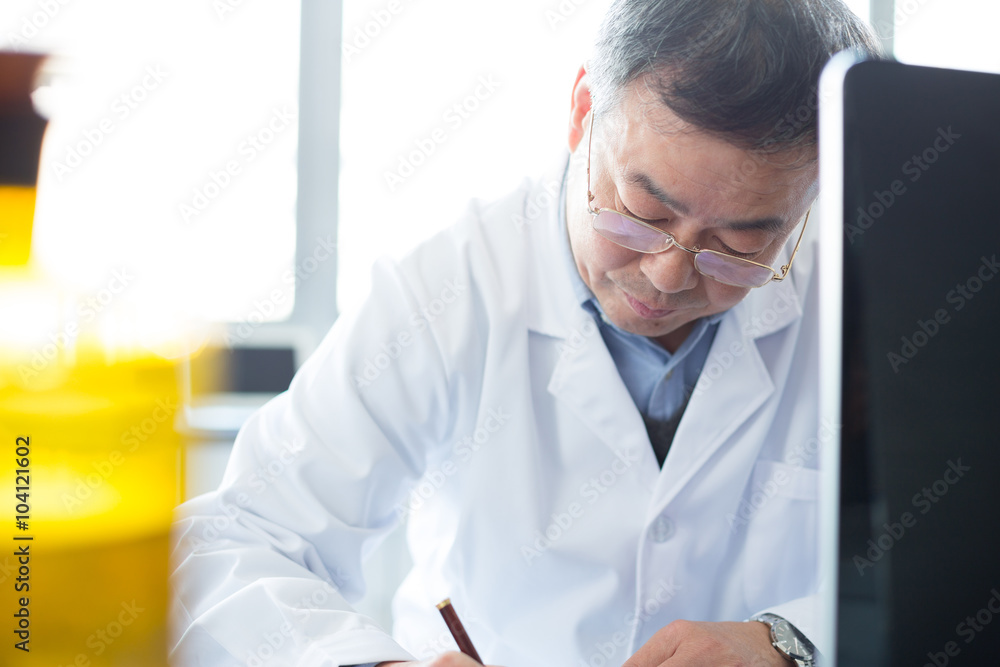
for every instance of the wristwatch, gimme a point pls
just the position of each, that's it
(787, 640)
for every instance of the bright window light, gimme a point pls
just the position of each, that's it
(443, 101)
(957, 34)
(170, 153)
(860, 7)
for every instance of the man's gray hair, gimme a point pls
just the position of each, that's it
(744, 70)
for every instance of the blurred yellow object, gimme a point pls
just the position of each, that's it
(103, 481)
(89, 454)
(17, 210)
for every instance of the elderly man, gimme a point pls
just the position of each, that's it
(596, 409)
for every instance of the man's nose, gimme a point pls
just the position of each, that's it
(670, 271)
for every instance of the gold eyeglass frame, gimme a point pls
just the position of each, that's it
(775, 276)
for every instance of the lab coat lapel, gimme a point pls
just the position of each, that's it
(585, 378)
(587, 381)
(734, 384)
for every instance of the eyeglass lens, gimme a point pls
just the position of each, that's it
(723, 268)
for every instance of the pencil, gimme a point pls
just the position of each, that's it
(458, 630)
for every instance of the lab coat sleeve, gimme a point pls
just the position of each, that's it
(265, 568)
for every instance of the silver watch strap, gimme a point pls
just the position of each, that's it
(769, 620)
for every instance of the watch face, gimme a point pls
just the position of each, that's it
(788, 640)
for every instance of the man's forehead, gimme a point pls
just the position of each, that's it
(642, 103)
(653, 146)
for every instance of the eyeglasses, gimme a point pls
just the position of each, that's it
(634, 234)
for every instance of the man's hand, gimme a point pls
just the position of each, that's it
(449, 659)
(692, 644)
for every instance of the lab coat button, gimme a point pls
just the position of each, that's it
(662, 529)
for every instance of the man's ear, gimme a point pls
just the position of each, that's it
(579, 107)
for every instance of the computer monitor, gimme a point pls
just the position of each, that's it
(910, 340)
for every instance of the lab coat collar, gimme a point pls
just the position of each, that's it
(552, 304)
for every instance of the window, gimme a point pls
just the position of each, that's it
(957, 34)
(170, 154)
(443, 101)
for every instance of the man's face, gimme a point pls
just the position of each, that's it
(706, 192)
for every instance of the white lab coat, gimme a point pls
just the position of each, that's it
(473, 394)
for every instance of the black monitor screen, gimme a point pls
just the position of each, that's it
(919, 575)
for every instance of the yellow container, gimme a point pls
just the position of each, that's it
(89, 455)
(102, 462)
(17, 210)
